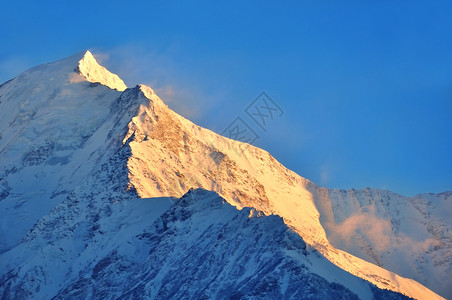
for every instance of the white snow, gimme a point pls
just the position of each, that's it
(407, 235)
(56, 128)
(94, 72)
(171, 154)
(45, 119)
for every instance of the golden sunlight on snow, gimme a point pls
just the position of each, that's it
(171, 154)
(94, 72)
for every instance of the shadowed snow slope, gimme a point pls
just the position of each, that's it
(51, 119)
(78, 155)
(410, 236)
(196, 247)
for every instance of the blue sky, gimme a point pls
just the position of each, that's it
(366, 87)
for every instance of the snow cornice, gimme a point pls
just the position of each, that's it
(93, 72)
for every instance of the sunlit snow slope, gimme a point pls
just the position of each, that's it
(75, 150)
(171, 154)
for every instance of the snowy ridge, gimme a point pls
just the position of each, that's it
(49, 120)
(171, 154)
(194, 247)
(408, 235)
(77, 158)
(94, 72)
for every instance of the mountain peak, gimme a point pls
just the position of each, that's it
(79, 166)
(93, 72)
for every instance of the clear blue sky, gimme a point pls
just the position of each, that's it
(366, 87)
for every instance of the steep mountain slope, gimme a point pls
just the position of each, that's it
(171, 154)
(194, 247)
(410, 236)
(48, 116)
(77, 155)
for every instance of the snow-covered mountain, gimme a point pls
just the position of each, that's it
(48, 116)
(83, 159)
(410, 236)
